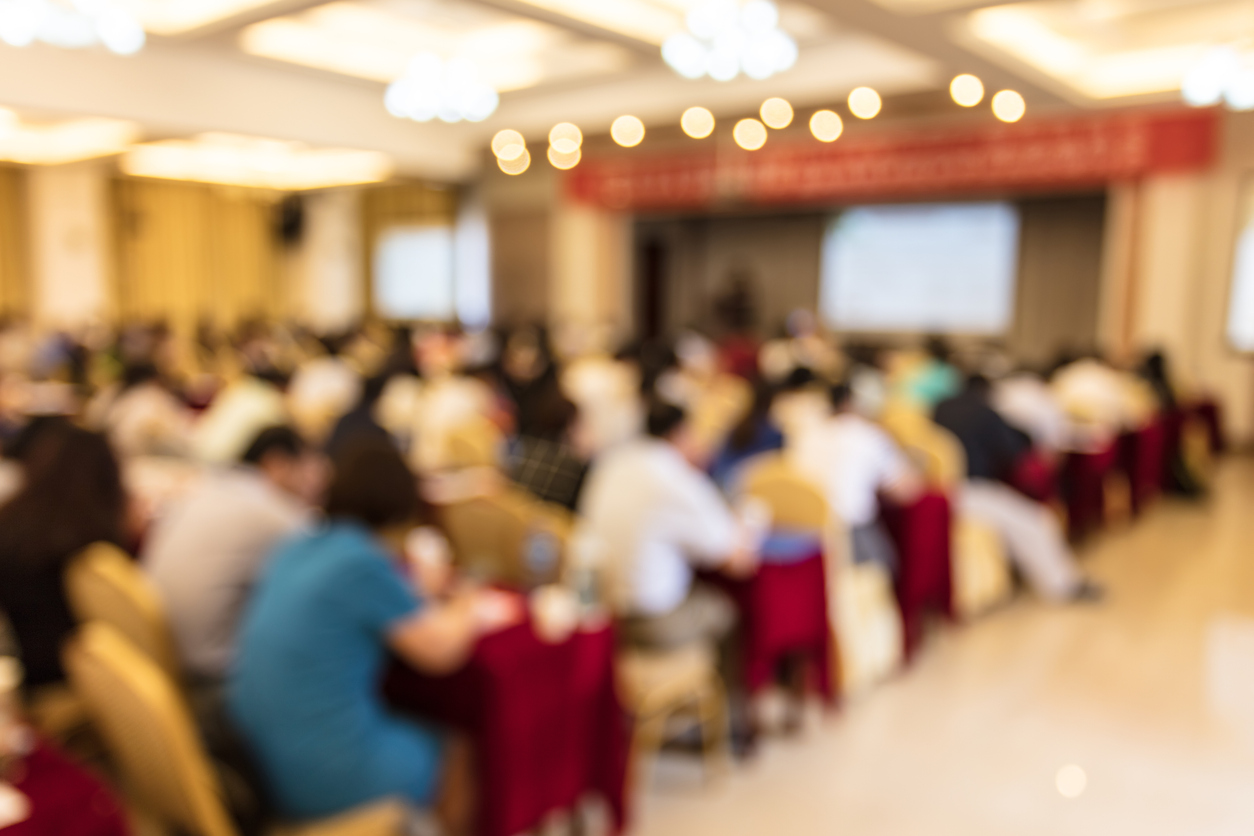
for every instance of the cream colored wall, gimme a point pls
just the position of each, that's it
(69, 243)
(591, 288)
(1169, 252)
(330, 283)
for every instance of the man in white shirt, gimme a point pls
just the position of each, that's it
(655, 518)
(854, 461)
(206, 553)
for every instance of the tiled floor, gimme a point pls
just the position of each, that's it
(1150, 693)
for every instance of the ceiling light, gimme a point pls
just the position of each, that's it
(566, 138)
(966, 90)
(1223, 74)
(85, 23)
(517, 165)
(564, 160)
(1008, 106)
(697, 122)
(236, 160)
(776, 113)
(627, 131)
(450, 90)
(826, 126)
(750, 134)
(724, 39)
(508, 139)
(63, 142)
(865, 103)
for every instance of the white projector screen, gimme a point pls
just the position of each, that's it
(938, 268)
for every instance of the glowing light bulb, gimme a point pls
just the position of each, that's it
(566, 138)
(750, 134)
(776, 113)
(564, 160)
(1008, 106)
(511, 140)
(627, 131)
(865, 103)
(826, 126)
(697, 122)
(516, 165)
(967, 90)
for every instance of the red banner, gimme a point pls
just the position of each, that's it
(1031, 156)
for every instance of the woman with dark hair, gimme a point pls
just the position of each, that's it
(545, 459)
(331, 608)
(755, 434)
(72, 496)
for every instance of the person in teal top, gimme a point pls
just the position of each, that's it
(936, 379)
(316, 637)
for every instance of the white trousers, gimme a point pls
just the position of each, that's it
(1032, 534)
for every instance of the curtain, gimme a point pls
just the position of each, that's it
(14, 272)
(191, 253)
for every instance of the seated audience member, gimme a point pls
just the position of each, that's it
(855, 461)
(656, 518)
(867, 380)
(546, 459)
(1105, 401)
(242, 409)
(361, 422)
(143, 417)
(206, 553)
(936, 379)
(322, 389)
(331, 607)
(801, 403)
(1153, 370)
(1033, 535)
(1028, 404)
(755, 434)
(72, 496)
(448, 401)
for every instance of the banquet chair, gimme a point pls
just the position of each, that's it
(981, 576)
(477, 443)
(166, 775)
(655, 686)
(719, 407)
(508, 537)
(867, 625)
(104, 584)
(1197, 449)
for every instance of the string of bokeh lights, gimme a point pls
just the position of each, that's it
(566, 140)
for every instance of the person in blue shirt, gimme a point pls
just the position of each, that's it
(936, 379)
(332, 605)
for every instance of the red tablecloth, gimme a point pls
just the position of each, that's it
(921, 532)
(1036, 477)
(1142, 457)
(546, 722)
(65, 799)
(783, 612)
(1084, 478)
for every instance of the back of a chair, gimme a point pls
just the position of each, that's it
(509, 537)
(934, 449)
(148, 731)
(104, 584)
(794, 501)
(476, 443)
